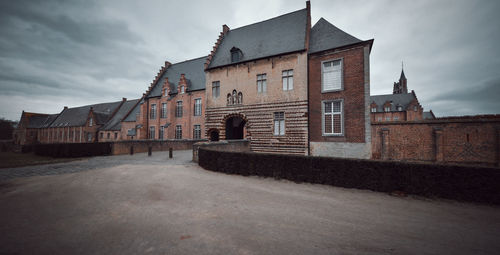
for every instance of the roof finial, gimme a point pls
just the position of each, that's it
(402, 65)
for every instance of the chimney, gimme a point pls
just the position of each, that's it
(65, 108)
(124, 99)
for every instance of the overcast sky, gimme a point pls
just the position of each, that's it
(55, 53)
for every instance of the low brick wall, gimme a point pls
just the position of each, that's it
(225, 145)
(70, 150)
(464, 140)
(124, 147)
(464, 183)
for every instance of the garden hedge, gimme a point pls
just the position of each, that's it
(463, 183)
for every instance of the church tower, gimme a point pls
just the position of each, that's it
(401, 87)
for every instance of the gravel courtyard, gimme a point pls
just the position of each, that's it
(155, 205)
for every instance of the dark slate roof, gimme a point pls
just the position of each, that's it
(77, 116)
(114, 123)
(397, 99)
(325, 36)
(428, 115)
(132, 116)
(279, 35)
(41, 120)
(192, 69)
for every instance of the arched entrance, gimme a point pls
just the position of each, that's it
(234, 128)
(214, 135)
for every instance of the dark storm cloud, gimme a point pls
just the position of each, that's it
(55, 53)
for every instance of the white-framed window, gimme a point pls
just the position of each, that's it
(331, 75)
(287, 79)
(197, 107)
(163, 110)
(261, 83)
(396, 118)
(387, 109)
(152, 112)
(387, 118)
(152, 132)
(197, 132)
(400, 108)
(162, 130)
(333, 118)
(279, 123)
(379, 119)
(215, 89)
(178, 132)
(89, 137)
(374, 109)
(178, 109)
(91, 122)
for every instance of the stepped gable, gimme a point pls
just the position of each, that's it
(283, 34)
(193, 71)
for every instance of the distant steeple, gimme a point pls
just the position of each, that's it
(401, 87)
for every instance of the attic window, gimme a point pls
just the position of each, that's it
(182, 90)
(400, 108)
(235, 55)
(90, 122)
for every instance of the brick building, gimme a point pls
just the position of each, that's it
(339, 91)
(173, 105)
(398, 106)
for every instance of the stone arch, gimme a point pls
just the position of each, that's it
(242, 123)
(240, 98)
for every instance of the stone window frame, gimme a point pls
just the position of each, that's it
(197, 107)
(216, 89)
(178, 131)
(280, 118)
(341, 59)
(262, 86)
(197, 132)
(342, 116)
(287, 75)
(152, 132)
(179, 109)
(152, 112)
(163, 114)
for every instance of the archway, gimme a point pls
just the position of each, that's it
(234, 128)
(214, 135)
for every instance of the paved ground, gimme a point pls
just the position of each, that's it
(139, 205)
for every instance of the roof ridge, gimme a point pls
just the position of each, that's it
(188, 60)
(269, 19)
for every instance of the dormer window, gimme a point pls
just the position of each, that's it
(387, 109)
(374, 109)
(400, 108)
(182, 90)
(235, 55)
(90, 122)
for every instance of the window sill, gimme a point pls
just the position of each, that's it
(332, 90)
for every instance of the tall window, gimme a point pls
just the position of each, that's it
(331, 77)
(178, 109)
(215, 89)
(332, 118)
(374, 109)
(116, 135)
(108, 135)
(162, 130)
(261, 83)
(178, 132)
(197, 132)
(152, 132)
(164, 110)
(152, 113)
(197, 107)
(287, 77)
(182, 90)
(279, 123)
(387, 108)
(91, 122)
(89, 137)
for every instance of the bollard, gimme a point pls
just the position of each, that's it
(150, 150)
(131, 150)
(170, 153)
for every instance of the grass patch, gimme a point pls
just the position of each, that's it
(13, 159)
